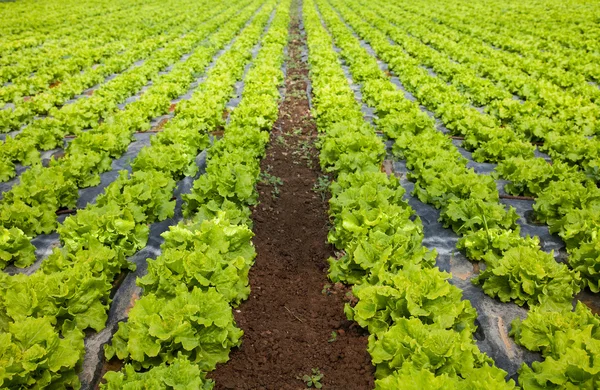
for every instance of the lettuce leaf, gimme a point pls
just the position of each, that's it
(179, 375)
(411, 378)
(16, 248)
(422, 293)
(198, 325)
(34, 354)
(526, 275)
(213, 253)
(430, 347)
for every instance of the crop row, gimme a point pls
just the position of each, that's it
(50, 79)
(29, 207)
(60, 40)
(28, 75)
(46, 312)
(29, 29)
(421, 330)
(184, 323)
(477, 67)
(566, 194)
(49, 132)
(564, 129)
(516, 268)
(565, 37)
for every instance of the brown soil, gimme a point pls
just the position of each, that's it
(111, 365)
(289, 318)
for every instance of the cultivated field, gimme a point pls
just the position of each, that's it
(293, 194)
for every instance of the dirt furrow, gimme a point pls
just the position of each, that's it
(294, 321)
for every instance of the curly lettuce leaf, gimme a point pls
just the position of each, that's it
(422, 293)
(179, 375)
(198, 325)
(528, 275)
(214, 253)
(34, 355)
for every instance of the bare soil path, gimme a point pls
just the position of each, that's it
(294, 321)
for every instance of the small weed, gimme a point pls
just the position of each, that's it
(333, 337)
(313, 380)
(268, 179)
(293, 64)
(281, 140)
(297, 94)
(326, 288)
(305, 145)
(305, 149)
(322, 186)
(308, 120)
(296, 77)
(350, 298)
(297, 132)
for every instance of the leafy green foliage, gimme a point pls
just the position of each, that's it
(542, 329)
(91, 153)
(469, 202)
(173, 151)
(409, 307)
(560, 199)
(369, 255)
(426, 346)
(516, 268)
(146, 194)
(441, 176)
(228, 178)
(374, 227)
(348, 151)
(569, 341)
(180, 374)
(422, 293)
(492, 243)
(69, 287)
(185, 314)
(411, 378)
(31, 205)
(73, 285)
(524, 274)
(530, 177)
(471, 215)
(34, 354)
(572, 209)
(585, 259)
(108, 224)
(271, 180)
(314, 379)
(15, 248)
(213, 253)
(196, 324)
